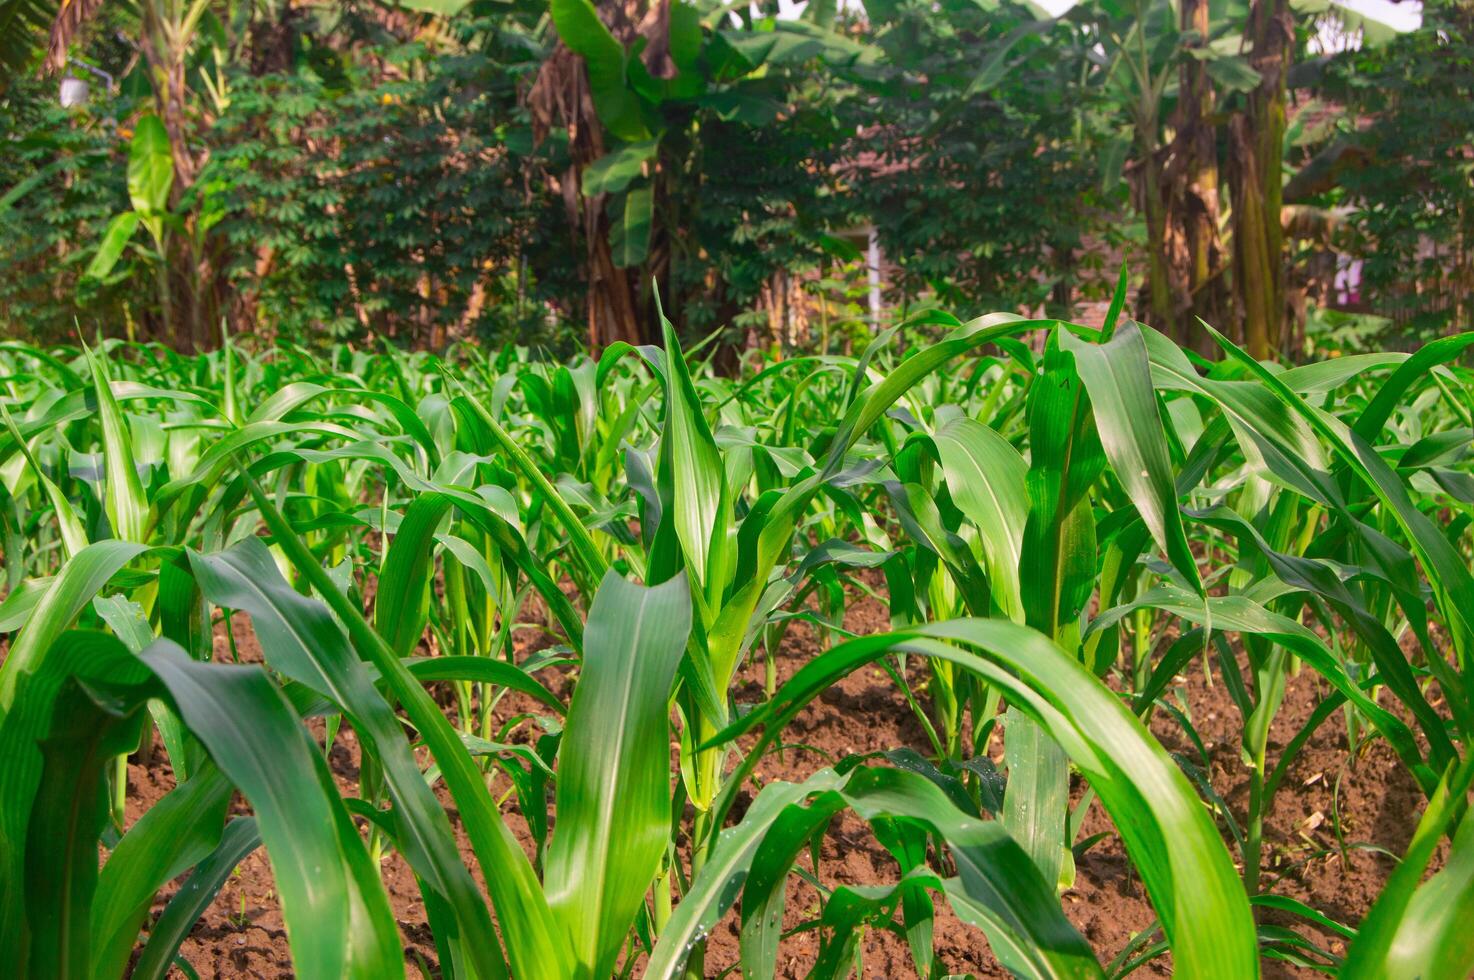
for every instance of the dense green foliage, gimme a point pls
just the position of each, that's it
(1418, 90)
(529, 172)
(978, 175)
(412, 183)
(1060, 535)
(62, 187)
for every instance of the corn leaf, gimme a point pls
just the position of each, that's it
(613, 791)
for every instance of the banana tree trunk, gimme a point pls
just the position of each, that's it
(1198, 207)
(612, 309)
(1154, 205)
(561, 98)
(1256, 147)
(165, 51)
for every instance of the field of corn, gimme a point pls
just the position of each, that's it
(529, 632)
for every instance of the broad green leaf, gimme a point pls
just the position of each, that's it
(127, 507)
(115, 238)
(440, 8)
(300, 638)
(27, 691)
(630, 220)
(578, 24)
(985, 476)
(1118, 377)
(1232, 72)
(150, 166)
(764, 892)
(613, 172)
(613, 799)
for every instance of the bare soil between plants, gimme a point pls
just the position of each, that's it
(1327, 836)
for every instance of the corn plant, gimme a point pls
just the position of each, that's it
(1065, 520)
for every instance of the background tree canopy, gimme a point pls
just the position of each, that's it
(539, 173)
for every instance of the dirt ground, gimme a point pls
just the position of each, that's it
(1330, 824)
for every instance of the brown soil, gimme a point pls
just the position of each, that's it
(242, 933)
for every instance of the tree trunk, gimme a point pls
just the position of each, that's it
(166, 56)
(618, 306)
(1160, 313)
(1197, 206)
(1256, 141)
(561, 97)
(612, 310)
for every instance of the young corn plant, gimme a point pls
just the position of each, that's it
(1063, 530)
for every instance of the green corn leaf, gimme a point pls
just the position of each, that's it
(173, 835)
(337, 916)
(1021, 915)
(1241, 613)
(1273, 438)
(16, 608)
(27, 691)
(1056, 577)
(336, 913)
(402, 604)
(1037, 797)
(533, 946)
(1170, 837)
(1057, 570)
(768, 529)
(470, 409)
(482, 670)
(70, 810)
(700, 507)
(1320, 578)
(1448, 573)
(613, 790)
(170, 929)
(1118, 377)
(127, 507)
(986, 477)
(764, 890)
(1013, 904)
(1422, 930)
(717, 887)
(73, 536)
(1373, 418)
(299, 638)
